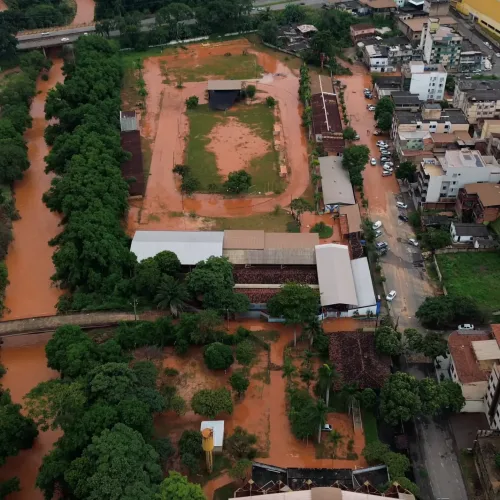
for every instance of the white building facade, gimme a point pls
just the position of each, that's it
(428, 81)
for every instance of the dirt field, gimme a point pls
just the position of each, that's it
(165, 126)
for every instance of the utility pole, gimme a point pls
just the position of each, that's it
(134, 302)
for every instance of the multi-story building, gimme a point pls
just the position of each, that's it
(406, 101)
(440, 44)
(412, 25)
(478, 99)
(436, 7)
(479, 202)
(360, 31)
(388, 55)
(471, 58)
(427, 81)
(486, 13)
(380, 7)
(439, 179)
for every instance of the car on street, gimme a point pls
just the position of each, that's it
(366, 90)
(368, 96)
(381, 244)
(385, 152)
(391, 295)
(378, 233)
(403, 218)
(413, 241)
(498, 54)
(387, 169)
(400, 204)
(356, 137)
(388, 164)
(373, 161)
(377, 225)
(327, 428)
(386, 173)
(65, 39)
(370, 107)
(466, 326)
(381, 143)
(384, 159)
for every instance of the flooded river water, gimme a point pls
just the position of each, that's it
(29, 260)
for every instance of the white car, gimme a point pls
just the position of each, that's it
(391, 295)
(378, 233)
(388, 164)
(466, 326)
(373, 161)
(400, 204)
(381, 143)
(413, 241)
(377, 225)
(327, 428)
(387, 169)
(64, 39)
(370, 107)
(498, 54)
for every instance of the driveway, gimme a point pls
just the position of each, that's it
(382, 193)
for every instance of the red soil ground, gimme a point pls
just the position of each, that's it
(168, 128)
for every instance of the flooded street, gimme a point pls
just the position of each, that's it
(29, 260)
(26, 367)
(84, 12)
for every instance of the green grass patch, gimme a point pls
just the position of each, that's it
(129, 57)
(369, 426)
(495, 226)
(267, 222)
(472, 274)
(257, 117)
(267, 335)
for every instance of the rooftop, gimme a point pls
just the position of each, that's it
(464, 359)
(217, 427)
(356, 359)
(471, 229)
(379, 4)
(416, 24)
(486, 350)
(405, 98)
(307, 28)
(335, 182)
(362, 26)
(335, 276)
(454, 116)
(190, 247)
(489, 194)
(480, 85)
(320, 84)
(445, 33)
(224, 84)
(363, 282)
(326, 115)
(468, 158)
(353, 217)
(417, 67)
(128, 121)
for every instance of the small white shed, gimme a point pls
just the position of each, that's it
(217, 427)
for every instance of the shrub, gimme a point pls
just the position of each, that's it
(218, 356)
(250, 91)
(245, 352)
(192, 102)
(322, 229)
(270, 101)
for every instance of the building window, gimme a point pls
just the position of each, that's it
(454, 182)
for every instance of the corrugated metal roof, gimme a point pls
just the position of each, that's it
(236, 239)
(336, 282)
(128, 121)
(486, 349)
(335, 181)
(190, 247)
(224, 84)
(272, 256)
(291, 240)
(363, 282)
(320, 84)
(353, 217)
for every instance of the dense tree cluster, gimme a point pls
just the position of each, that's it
(354, 161)
(92, 258)
(404, 397)
(105, 409)
(15, 100)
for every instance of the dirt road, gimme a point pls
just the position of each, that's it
(168, 128)
(29, 260)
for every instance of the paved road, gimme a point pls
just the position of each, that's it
(309, 3)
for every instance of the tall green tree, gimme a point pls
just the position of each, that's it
(384, 105)
(434, 239)
(399, 398)
(388, 341)
(296, 303)
(211, 402)
(354, 161)
(321, 411)
(177, 487)
(406, 171)
(171, 295)
(327, 376)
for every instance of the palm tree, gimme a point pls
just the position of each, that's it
(307, 375)
(321, 411)
(336, 438)
(171, 295)
(327, 376)
(312, 329)
(350, 392)
(289, 369)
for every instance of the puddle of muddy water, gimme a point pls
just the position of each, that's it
(29, 260)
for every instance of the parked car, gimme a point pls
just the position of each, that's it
(368, 96)
(385, 151)
(373, 161)
(366, 90)
(388, 163)
(498, 54)
(384, 159)
(377, 225)
(381, 244)
(65, 39)
(391, 295)
(403, 218)
(400, 204)
(386, 173)
(356, 137)
(370, 107)
(387, 169)
(378, 233)
(413, 241)
(466, 326)
(381, 143)
(327, 428)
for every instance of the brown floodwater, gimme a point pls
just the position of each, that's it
(26, 367)
(3, 6)
(84, 12)
(29, 260)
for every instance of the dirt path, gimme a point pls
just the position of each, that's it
(84, 12)
(29, 260)
(169, 129)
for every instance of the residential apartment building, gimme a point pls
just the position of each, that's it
(478, 99)
(406, 101)
(472, 60)
(360, 31)
(472, 356)
(479, 202)
(440, 45)
(439, 179)
(379, 7)
(388, 55)
(486, 13)
(425, 80)
(436, 7)
(412, 25)
(386, 85)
